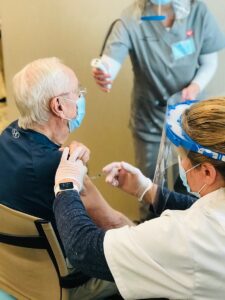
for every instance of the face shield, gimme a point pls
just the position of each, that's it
(181, 9)
(175, 145)
(159, 16)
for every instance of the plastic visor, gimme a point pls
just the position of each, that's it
(167, 169)
(181, 8)
(158, 16)
(172, 145)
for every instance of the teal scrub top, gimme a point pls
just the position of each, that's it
(164, 61)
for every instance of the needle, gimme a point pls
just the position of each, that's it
(96, 176)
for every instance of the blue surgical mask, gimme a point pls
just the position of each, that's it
(76, 121)
(183, 177)
(161, 2)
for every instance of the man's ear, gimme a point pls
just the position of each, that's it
(209, 173)
(56, 107)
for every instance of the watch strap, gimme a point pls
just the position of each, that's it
(58, 189)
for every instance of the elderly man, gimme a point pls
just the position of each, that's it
(51, 105)
(46, 93)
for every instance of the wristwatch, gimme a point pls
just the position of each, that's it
(64, 186)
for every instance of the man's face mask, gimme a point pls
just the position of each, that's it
(75, 122)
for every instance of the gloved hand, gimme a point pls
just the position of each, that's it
(102, 79)
(191, 92)
(83, 151)
(128, 178)
(71, 169)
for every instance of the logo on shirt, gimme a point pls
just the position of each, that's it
(15, 133)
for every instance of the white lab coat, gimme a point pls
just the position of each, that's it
(180, 255)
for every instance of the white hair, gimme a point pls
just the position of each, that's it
(36, 84)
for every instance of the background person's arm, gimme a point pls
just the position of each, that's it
(116, 48)
(207, 67)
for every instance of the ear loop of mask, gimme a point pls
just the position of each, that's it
(183, 177)
(62, 104)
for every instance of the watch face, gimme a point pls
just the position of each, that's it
(66, 185)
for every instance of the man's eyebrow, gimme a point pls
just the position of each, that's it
(63, 94)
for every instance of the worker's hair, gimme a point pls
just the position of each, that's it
(141, 5)
(204, 122)
(35, 85)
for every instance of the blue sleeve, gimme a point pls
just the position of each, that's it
(82, 239)
(171, 200)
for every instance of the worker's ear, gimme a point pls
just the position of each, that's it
(209, 173)
(56, 107)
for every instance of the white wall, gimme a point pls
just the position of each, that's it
(217, 86)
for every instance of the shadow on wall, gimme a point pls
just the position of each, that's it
(2, 79)
(3, 108)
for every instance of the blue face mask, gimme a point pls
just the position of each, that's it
(183, 177)
(76, 121)
(161, 2)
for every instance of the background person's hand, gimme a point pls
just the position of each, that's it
(190, 92)
(102, 79)
(128, 178)
(71, 169)
(80, 151)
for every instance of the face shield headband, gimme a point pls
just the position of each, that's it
(178, 136)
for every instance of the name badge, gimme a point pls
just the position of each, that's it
(183, 48)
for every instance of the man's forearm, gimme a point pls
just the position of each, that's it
(99, 210)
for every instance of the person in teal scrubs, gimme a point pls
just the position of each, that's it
(176, 56)
(5, 296)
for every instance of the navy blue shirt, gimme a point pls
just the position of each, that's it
(28, 162)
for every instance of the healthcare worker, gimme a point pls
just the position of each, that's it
(175, 56)
(179, 255)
